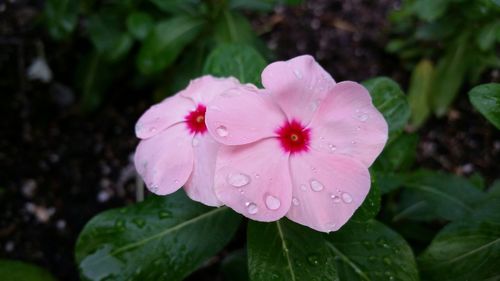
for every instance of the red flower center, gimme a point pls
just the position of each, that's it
(195, 120)
(294, 137)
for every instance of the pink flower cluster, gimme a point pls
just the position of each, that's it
(299, 148)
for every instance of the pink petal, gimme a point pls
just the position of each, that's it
(158, 117)
(298, 86)
(242, 116)
(348, 123)
(206, 88)
(254, 180)
(200, 186)
(165, 161)
(327, 189)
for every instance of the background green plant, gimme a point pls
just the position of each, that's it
(448, 44)
(156, 43)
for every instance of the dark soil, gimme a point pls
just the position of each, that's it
(59, 167)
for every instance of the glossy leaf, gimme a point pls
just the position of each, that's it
(61, 17)
(449, 76)
(468, 249)
(390, 100)
(284, 250)
(234, 266)
(435, 195)
(166, 41)
(419, 93)
(371, 206)
(399, 155)
(240, 61)
(486, 99)
(139, 24)
(371, 251)
(162, 238)
(177, 6)
(11, 270)
(430, 10)
(110, 39)
(232, 27)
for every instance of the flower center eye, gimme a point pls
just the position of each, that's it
(294, 137)
(195, 120)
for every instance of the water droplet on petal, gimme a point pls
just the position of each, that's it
(252, 208)
(335, 198)
(346, 197)
(195, 142)
(316, 185)
(363, 117)
(332, 147)
(272, 203)
(303, 187)
(297, 74)
(222, 131)
(238, 179)
(138, 128)
(153, 129)
(295, 201)
(154, 188)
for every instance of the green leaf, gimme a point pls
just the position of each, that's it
(111, 41)
(468, 249)
(166, 41)
(486, 99)
(162, 238)
(260, 5)
(371, 251)
(11, 270)
(449, 76)
(433, 195)
(487, 36)
(370, 207)
(234, 266)
(139, 24)
(389, 99)
(240, 61)
(93, 77)
(232, 27)
(177, 6)
(430, 10)
(419, 93)
(61, 17)
(399, 155)
(287, 251)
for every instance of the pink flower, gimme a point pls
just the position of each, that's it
(300, 148)
(176, 148)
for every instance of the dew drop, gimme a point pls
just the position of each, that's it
(346, 197)
(295, 201)
(154, 188)
(238, 179)
(153, 129)
(222, 131)
(164, 214)
(252, 208)
(140, 223)
(195, 142)
(332, 147)
(363, 117)
(303, 187)
(313, 260)
(335, 198)
(272, 203)
(297, 74)
(316, 185)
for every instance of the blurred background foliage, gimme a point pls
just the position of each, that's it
(447, 44)
(159, 43)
